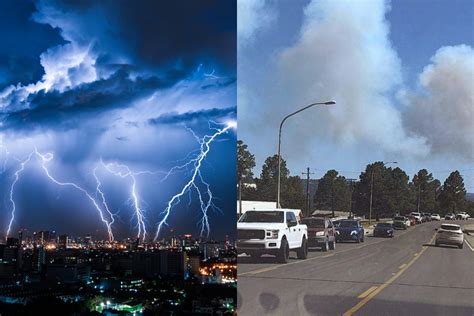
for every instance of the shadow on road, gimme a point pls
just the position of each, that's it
(440, 246)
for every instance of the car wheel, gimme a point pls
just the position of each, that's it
(362, 239)
(332, 245)
(325, 247)
(358, 239)
(284, 254)
(302, 253)
(461, 245)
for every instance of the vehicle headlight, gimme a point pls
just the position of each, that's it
(272, 234)
(320, 233)
(354, 232)
(388, 231)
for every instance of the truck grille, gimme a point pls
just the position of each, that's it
(250, 234)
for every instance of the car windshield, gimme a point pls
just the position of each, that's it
(449, 227)
(313, 222)
(348, 224)
(399, 218)
(262, 217)
(384, 225)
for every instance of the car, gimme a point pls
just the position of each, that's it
(450, 217)
(272, 231)
(450, 234)
(412, 220)
(419, 218)
(350, 229)
(426, 217)
(435, 217)
(462, 216)
(321, 233)
(336, 222)
(383, 230)
(400, 222)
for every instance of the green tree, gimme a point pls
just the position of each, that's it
(425, 190)
(267, 183)
(245, 164)
(292, 194)
(333, 192)
(453, 194)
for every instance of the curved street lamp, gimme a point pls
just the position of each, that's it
(279, 141)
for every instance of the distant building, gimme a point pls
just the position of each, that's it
(63, 242)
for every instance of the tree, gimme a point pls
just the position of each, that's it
(292, 194)
(245, 164)
(333, 193)
(267, 183)
(453, 194)
(426, 188)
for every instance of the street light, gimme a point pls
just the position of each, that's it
(372, 189)
(279, 141)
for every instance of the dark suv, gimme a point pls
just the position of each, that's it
(321, 232)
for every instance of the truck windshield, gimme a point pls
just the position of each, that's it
(313, 222)
(262, 217)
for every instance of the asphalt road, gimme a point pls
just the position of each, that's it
(404, 275)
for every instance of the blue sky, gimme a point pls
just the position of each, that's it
(401, 72)
(113, 89)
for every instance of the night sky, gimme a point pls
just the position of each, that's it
(92, 84)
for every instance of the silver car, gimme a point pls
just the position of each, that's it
(450, 234)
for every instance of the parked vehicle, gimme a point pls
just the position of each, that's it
(435, 217)
(450, 217)
(383, 230)
(462, 216)
(412, 220)
(272, 231)
(400, 222)
(321, 233)
(350, 229)
(450, 234)
(427, 217)
(419, 218)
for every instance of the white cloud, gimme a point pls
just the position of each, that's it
(253, 16)
(442, 110)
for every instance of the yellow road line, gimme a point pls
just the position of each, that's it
(402, 266)
(368, 291)
(359, 305)
(416, 254)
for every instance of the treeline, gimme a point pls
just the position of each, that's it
(392, 189)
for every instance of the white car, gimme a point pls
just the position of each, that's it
(417, 216)
(274, 232)
(435, 217)
(450, 234)
(462, 216)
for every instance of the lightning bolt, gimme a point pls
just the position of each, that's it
(44, 160)
(16, 177)
(195, 181)
(123, 171)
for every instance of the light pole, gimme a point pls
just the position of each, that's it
(372, 189)
(279, 141)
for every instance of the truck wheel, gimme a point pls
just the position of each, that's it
(325, 246)
(284, 254)
(332, 245)
(461, 245)
(302, 253)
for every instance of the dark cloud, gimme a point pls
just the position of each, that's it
(54, 108)
(174, 118)
(22, 41)
(173, 35)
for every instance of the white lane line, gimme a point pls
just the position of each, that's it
(469, 245)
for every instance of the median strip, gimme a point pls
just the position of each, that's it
(371, 295)
(368, 291)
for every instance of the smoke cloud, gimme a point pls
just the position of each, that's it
(442, 111)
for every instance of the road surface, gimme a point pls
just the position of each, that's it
(404, 275)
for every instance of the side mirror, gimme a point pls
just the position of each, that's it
(291, 223)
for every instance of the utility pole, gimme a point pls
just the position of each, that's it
(351, 181)
(308, 202)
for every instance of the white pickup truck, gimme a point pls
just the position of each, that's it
(272, 231)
